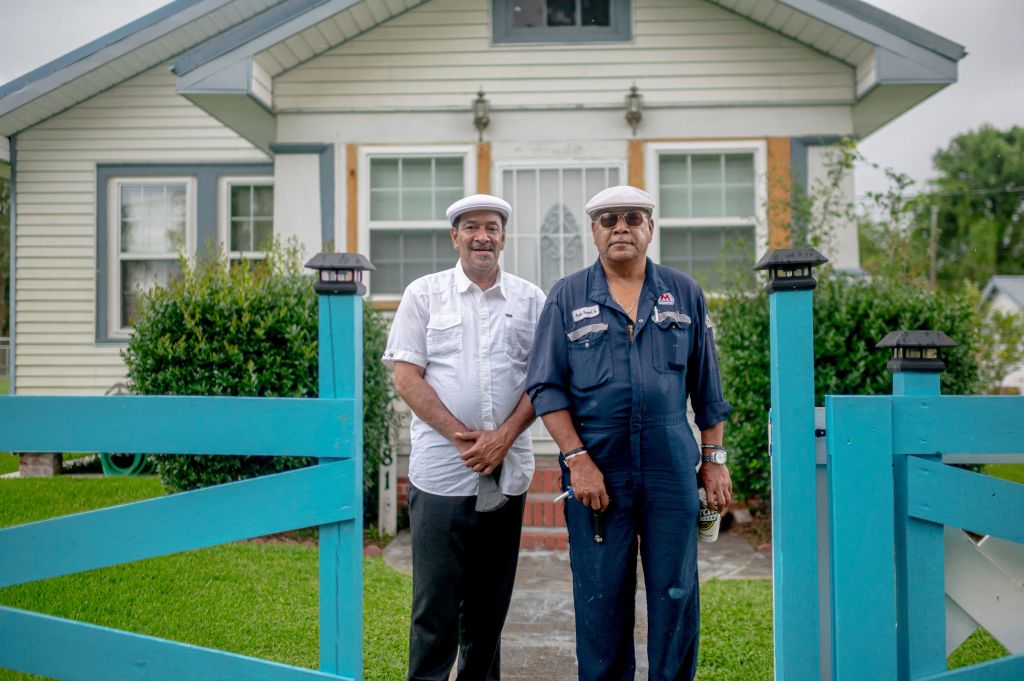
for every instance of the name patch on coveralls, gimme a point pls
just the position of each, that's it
(581, 313)
(666, 299)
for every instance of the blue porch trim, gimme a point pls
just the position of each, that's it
(207, 177)
(326, 154)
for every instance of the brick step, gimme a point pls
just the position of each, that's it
(545, 538)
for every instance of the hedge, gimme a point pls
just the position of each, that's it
(850, 316)
(249, 329)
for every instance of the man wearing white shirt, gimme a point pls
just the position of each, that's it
(459, 346)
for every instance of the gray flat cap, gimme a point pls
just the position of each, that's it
(478, 202)
(622, 196)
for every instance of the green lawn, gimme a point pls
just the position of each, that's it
(261, 599)
(1014, 472)
(5, 383)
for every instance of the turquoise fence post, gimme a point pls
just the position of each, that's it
(920, 579)
(794, 528)
(340, 289)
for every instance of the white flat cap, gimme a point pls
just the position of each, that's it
(622, 196)
(478, 202)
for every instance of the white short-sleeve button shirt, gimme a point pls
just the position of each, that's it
(473, 345)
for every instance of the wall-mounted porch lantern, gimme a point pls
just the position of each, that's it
(481, 113)
(634, 108)
(340, 273)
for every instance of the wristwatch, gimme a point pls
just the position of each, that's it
(715, 456)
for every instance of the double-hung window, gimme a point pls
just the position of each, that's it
(710, 208)
(151, 225)
(404, 201)
(248, 231)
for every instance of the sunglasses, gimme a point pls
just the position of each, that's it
(633, 218)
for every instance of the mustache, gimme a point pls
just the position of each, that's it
(481, 247)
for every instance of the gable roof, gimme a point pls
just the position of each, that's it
(1012, 286)
(227, 53)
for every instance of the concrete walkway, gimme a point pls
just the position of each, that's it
(539, 642)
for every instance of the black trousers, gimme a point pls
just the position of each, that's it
(463, 570)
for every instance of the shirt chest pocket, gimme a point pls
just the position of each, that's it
(590, 356)
(518, 339)
(444, 335)
(671, 341)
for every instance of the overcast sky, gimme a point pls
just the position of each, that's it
(990, 87)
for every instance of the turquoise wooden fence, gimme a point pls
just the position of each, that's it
(858, 545)
(328, 495)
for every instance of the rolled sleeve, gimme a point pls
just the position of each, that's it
(547, 375)
(705, 380)
(407, 340)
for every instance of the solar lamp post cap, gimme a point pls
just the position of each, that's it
(790, 269)
(917, 350)
(340, 273)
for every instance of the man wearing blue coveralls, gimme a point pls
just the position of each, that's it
(619, 348)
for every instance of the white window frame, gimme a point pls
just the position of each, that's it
(224, 185)
(468, 154)
(114, 184)
(589, 249)
(759, 148)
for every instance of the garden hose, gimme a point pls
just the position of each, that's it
(137, 464)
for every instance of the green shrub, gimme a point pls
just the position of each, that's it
(248, 330)
(850, 316)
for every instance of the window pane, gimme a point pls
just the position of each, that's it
(673, 170)
(706, 169)
(714, 256)
(596, 12)
(417, 205)
(384, 173)
(675, 202)
(416, 172)
(527, 13)
(241, 235)
(707, 202)
(263, 235)
(562, 13)
(706, 243)
(141, 275)
(152, 218)
(443, 200)
(448, 173)
(739, 201)
(241, 201)
(739, 168)
(384, 204)
(264, 201)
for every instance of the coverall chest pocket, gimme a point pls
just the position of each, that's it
(671, 341)
(444, 335)
(590, 356)
(518, 339)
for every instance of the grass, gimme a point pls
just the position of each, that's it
(1014, 472)
(261, 599)
(5, 385)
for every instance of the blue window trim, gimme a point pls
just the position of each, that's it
(206, 176)
(620, 30)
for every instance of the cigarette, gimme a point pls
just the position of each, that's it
(564, 495)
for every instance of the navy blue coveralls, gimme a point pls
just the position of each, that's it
(627, 398)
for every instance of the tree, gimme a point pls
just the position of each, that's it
(980, 198)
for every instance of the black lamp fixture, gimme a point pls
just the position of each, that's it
(634, 108)
(790, 269)
(916, 350)
(481, 113)
(340, 273)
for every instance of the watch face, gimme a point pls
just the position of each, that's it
(719, 456)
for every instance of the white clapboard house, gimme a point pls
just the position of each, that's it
(354, 123)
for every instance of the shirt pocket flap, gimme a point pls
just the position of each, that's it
(440, 322)
(668, 318)
(579, 333)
